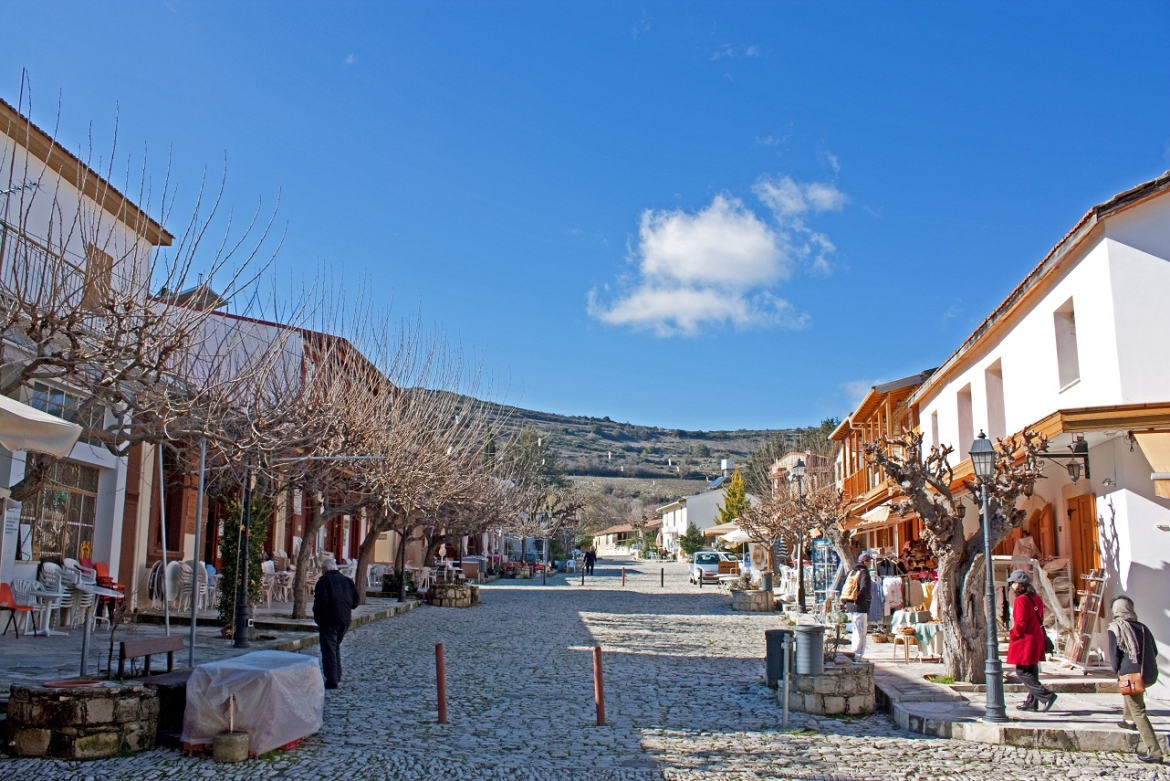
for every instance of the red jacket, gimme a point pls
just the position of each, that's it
(1026, 640)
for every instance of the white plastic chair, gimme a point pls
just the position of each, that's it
(22, 592)
(174, 584)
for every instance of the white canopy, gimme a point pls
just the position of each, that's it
(735, 537)
(25, 428)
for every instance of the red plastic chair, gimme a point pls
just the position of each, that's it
(8, 602)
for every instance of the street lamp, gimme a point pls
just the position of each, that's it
(797, 474)
(983, 461)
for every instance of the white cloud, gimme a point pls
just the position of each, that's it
(728, 51)
(711, 267)
(855, 390)
(790, 202)
(350, 59)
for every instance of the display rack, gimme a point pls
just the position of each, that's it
(825, 562)
(1078, 650)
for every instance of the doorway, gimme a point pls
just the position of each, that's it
(1086, 546)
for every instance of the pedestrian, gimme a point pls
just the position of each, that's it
(1134, 657)
(590, 560)
(334, 599)
(855, 597)
(1026, 641)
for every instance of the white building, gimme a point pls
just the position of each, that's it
(54, 207)
(1080, 350)
(700, 510)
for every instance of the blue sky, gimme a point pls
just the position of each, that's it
(693, 215)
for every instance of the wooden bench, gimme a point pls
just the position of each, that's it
(145, 648)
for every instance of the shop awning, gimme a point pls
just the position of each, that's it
(1156, 447)
(25, 428)
(878, 518)
(720, 529)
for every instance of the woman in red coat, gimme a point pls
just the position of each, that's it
(1026, 641)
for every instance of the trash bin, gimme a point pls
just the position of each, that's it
(774, 661)
(810, 649)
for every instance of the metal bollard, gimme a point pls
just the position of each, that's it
(623, 577)
(441, 681)
(598, 686)
(787, 674)
(662, 578)
(582, 576)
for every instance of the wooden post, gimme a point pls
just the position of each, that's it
(623, 577)
(598, 686)
(441, 681)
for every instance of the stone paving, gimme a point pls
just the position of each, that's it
(684, 689)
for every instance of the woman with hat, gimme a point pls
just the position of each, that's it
(1026, 641)
(1134, 654)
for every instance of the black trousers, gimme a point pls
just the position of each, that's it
(589, 568)
(331, 636)
(1029, 675)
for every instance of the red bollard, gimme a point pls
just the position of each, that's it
(598, 686)
(441, 680)
(623, 577)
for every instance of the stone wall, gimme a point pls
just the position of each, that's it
(452, 595)
(843, 688)
(754, 601)
(81, 723)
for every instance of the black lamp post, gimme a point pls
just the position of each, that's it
(797, 474)
(983, 460)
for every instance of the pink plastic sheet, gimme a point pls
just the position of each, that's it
(279, 697)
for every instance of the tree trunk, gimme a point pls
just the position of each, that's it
(301, 577)
(961, 607)
(365, 558)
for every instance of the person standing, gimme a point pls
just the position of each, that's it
(1026, 641)
(590, 560)
(334, 599)
(1133, 653)
(855, 598)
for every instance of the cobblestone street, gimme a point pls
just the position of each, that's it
(685, 700)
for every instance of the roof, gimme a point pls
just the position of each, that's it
(626, 527)
(873, 399)
(45, 148)
(1055, 259)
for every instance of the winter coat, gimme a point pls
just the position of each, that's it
(1147, 661)
(334, 599)
(864, 595)
(1026, 640)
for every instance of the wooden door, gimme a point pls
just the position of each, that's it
(1045, 532)
(1086, 547)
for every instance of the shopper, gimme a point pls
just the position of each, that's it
(1026, 641)
(590, 560)
(334, 599)
(855, 597)
(1134, 654)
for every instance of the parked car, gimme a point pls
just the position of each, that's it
(705, 566)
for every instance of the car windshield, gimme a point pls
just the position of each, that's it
(707, 558)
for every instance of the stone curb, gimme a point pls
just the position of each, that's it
(313, 639)
(284, 625)
(970, 729)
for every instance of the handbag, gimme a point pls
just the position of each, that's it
(1132, 683)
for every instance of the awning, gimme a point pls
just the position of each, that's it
(25, 428)
(720, 529)
(1156, 447)
(878, 518)
(736, 537)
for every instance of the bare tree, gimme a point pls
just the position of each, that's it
(926, 481)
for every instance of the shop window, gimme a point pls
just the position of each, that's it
(63, 515)
(996, 416)
(966, 422)
(1067, 361)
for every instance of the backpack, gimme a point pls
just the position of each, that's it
(850, 589)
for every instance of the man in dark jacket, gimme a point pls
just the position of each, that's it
(858, 605)
(590, 560)
(334, 599)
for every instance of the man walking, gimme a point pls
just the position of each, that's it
(590, 560)
(855, 597)
(334, 599)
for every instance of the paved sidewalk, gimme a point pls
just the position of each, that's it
(685, 702)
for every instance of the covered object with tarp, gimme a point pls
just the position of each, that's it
(279, 697)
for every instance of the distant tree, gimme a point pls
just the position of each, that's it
(735, 501)
(816, 440)
(701, 451)
(691, 541)
(758, 465)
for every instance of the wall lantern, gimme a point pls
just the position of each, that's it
(1077, 457)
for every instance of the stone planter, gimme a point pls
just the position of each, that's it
(452, 595)
(843, 688)
(81, 723)
(752, 600)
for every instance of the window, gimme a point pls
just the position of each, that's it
(966, 423)
(63, 514)
(934, 438)
(72, 408)
(1067, 363)
(996, 416)
(99, 270)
